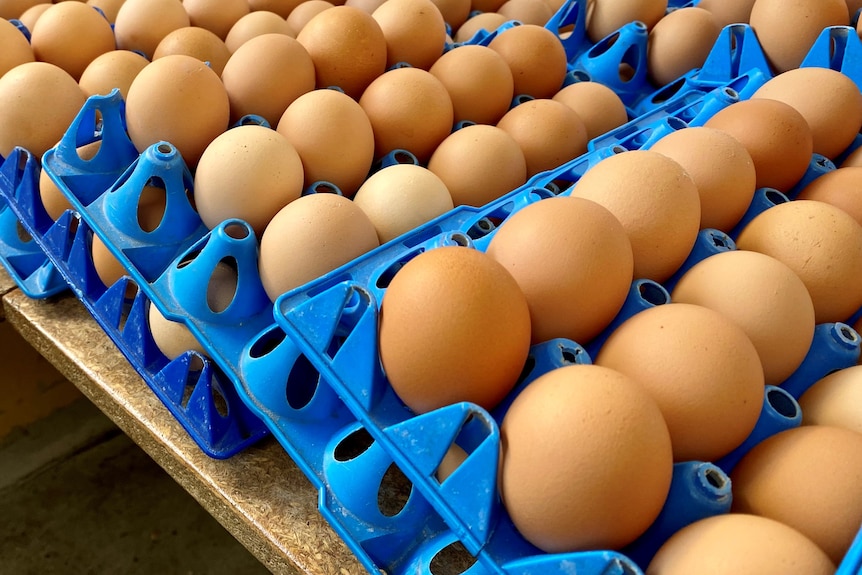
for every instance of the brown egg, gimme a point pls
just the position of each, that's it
(16, 49)
(728, 11)
(436, 318)
(29, 16)
(549, 133)
(217, 17)
(409, 109)
(536, 12)
(179, 99)
(365, 5)
(807, 478)
(497, 164)
(776, 136)
(599, 107)
(772, 19)
(822, 244)
(842, 188)
(70, 35)
(455, 12)
(835, 400)
(585, 460)
(414, 30)
(402, 197)
(347, 46)
(607, 16)
(310, 237)
(739, 544)
(486, 5)
(256, 24)
(573, 261)
(722, 170)
(487, 21)
(536, 57)
(307, 10)
(53, 200)
(479, 83)
(141, 24)
(333, 137)
(14, 8)
(680, 42)
(280, 7)
(114, 69)
(196, 42)
(28, 118)
(853, 159)
(660, 212)
(764, 297)
(110, 8)
(701, 369)
(828, 100)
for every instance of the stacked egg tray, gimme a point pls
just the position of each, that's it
(307, 368)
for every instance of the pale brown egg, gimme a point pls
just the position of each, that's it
(807, 478)
(29, 16)
(497, 164)
(842, 188)
(16, 49)
(53, 200)
(179, 99)
(536, 12)
(486, 5)
(310, 237)
(853, 159)
(722, 170)
(217, 17)
(702, 370)
(414, 30)
(599, 107)
(835, 400)
(660, 211)
(822, 244)
(761, 295)
(728, 11)
(680, 42)
(409, 109)
(365, 5)
(305, 11)
(455, 12)
(585, 460)
(70, 35)
(256, 24)
(739, 544)
(14, 8)
(110, 8)
(605, 17)
(196, 42)
(28, 118)
(141, 24)
(280, 7)
(573, 261)
(436, 321)
(114, 69)
(487, 21)
(333, 137)
(536, 57)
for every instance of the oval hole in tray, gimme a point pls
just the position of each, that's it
(394, 491)
(302, 383)
(453, 559)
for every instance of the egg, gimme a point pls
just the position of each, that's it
(414, 30)
(70, 35)
(333, 137)
(605, 17)
(739, 544)
(280, 7)
(702, 370)
(599, 107)
(536, 12)
(822, 244)
(436, 318)
(487, 21)
(110, 8)
(722, 170)
(585, 460)
(680, 42)
(660, 208)
(536, 57)
(728, 11)
(16, 49)
(761, 295)
(217, 17)
(141, 24)
(842, 188)
(114, 69)
(197, 42)
(179, 99)
(807, 478)
(455, 12)
(14, 8)
(486, 5)
(497, 164)
(255, 24)
(32, 14)
(305, 11)
(573, 261)
(835, 400)
(310, 237)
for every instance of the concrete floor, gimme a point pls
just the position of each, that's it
(78, 497)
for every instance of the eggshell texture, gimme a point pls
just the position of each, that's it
(573, 261)
(179, 99)
(29, 119)
(114, 69)
(598, 106)
(722, 170)
(401, 197)
(772, 19)
(454, 12)
(486, 5)
(196, 42)
(761, 295)
(728, 11)
(739, 544)
(280, 7)
(655, 200)
(835, 400)
(828, 100)
(414, 30)
(487, 21)
(536, 57)
(16, 49)
(549, 133)
(536, 12)
(842, 188)
(110, 8)
(310, 237)
(347, 46)
(809, 478)
(497, 164)
(256, 24)
(141, 24)
(249, 172)
(265, 75)
(31, 14)
(454, 326)
(701, 369)
(409, 109)
(307, 10)
(479, 83)
(822, 244)
(70, 35)
(14, 8)
(333, 137)
(853, 159)
(607, 16)
(775, 134)
(217, 17)
(585, 460)
(680, 42)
